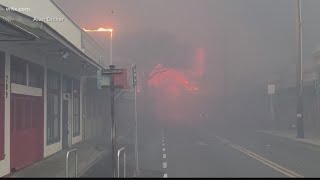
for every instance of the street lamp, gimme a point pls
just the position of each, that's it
(103, 30)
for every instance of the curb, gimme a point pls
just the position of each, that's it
(288, 138)
(84, 170)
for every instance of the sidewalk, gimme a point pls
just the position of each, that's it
(54, 166)
(310, 139)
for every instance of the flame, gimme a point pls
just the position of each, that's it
(170, 78)
(99, 30)
(170, 86)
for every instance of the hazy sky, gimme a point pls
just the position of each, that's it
(151, 32)
(256, 39)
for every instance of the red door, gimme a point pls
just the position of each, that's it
(26, 130)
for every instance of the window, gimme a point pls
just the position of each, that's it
(18, 71)
(53, 107)
(53, 81)
(35, 75)
(66, 85)
(76, 108)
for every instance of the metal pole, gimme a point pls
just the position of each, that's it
(111, 49)
(118, 160)
(136, 133)
(113, 128)
(272, 112)
(76, 162)
(315, 104)
(225, 64)
(124, 164)
(118, 163)
(300, 129)
(67, 165)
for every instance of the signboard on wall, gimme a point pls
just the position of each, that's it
(121, 79)
(271, 89)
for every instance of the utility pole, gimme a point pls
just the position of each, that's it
(105, 80)
(225, 64)
(113, 127)
(315, 101)
(272, 113)
(134, 71)
(300, 129)
(111, 47)
(271, 92)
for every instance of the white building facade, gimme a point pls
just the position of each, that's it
(46, 103)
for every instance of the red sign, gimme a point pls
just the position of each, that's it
(121, 79)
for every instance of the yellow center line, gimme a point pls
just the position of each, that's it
(263, 160)
(270, 162)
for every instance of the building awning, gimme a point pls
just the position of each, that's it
(13, 32)
(20, 27)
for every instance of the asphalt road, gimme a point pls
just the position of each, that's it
(188, 151)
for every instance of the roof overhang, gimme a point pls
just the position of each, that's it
(23, 28)
(12, 32)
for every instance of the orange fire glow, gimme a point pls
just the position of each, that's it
(172, 87)
(171, 79)
(199, 63)
(99, 30)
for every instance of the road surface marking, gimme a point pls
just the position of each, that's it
(263, 160)
(225, 141)
(267, 162)
(164, 165)
(273, 163)
(201, 143)
(164, 156)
